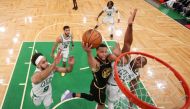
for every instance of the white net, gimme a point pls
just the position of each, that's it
(153, 83)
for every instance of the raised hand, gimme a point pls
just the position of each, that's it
(116, 50)
(52, 55)
(71, 60)
(132, 17)
(86, 47)
(58, 58)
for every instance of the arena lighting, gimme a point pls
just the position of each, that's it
(118, 32)
(160, 85)
(109, 28)
(11, 51)
(134, 49)
(1, 81)
(17, 34)
(28, 19)
(8, 60)
(2, 29)
(150, 72)
(15, 40)
(84, 19)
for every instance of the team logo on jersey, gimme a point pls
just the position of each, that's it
(106, 72)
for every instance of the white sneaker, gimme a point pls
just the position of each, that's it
(66, 95)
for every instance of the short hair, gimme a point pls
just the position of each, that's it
(110, 2)
(34, 57)
(66, 27)
(101, 45)
(145, 60)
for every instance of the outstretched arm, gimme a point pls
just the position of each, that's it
(38, 77)
(129, 32)
(100, 15)
(58, 40)
(117, 51)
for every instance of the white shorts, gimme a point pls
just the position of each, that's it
(108, 20)
(113, 93)
(37, 100)
(115, 97)
(65, 54)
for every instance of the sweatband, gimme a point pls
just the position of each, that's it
(38, 60)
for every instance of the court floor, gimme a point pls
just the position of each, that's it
(25, 21)
(76, 81)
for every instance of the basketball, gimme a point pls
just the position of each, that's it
(92, 37)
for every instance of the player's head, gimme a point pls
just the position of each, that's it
(66, 30)
(101, 51)
(110, 4)
(139, 62)
(39, 61)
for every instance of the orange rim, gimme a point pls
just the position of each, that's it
(136, 100)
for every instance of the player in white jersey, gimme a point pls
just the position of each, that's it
(41, 79)
(109, 18)
(63, 43)
(129, 70)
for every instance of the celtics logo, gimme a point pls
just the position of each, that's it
(106, 72)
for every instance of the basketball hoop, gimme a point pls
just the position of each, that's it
(166, 86)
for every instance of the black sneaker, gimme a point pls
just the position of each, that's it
(76, 7)
(111, 36)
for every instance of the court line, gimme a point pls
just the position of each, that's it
(21, 84)
(4, 84)
(32, 52)
(26, 82)
(34, 43)
(33, 48)
(84, 68)
(65, 101)
(29, 47)
(27, 63)
(13, 70)
(175, 23)
(149, 29)
(149, 93)
(70, 99)
(50, 41)
(11, 76)
(36, 51)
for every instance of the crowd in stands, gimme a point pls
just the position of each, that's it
(182, 6)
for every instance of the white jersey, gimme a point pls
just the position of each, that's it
(110, 12)
(126, 74)
(170, 3)
(44, 87)
(65, 42)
